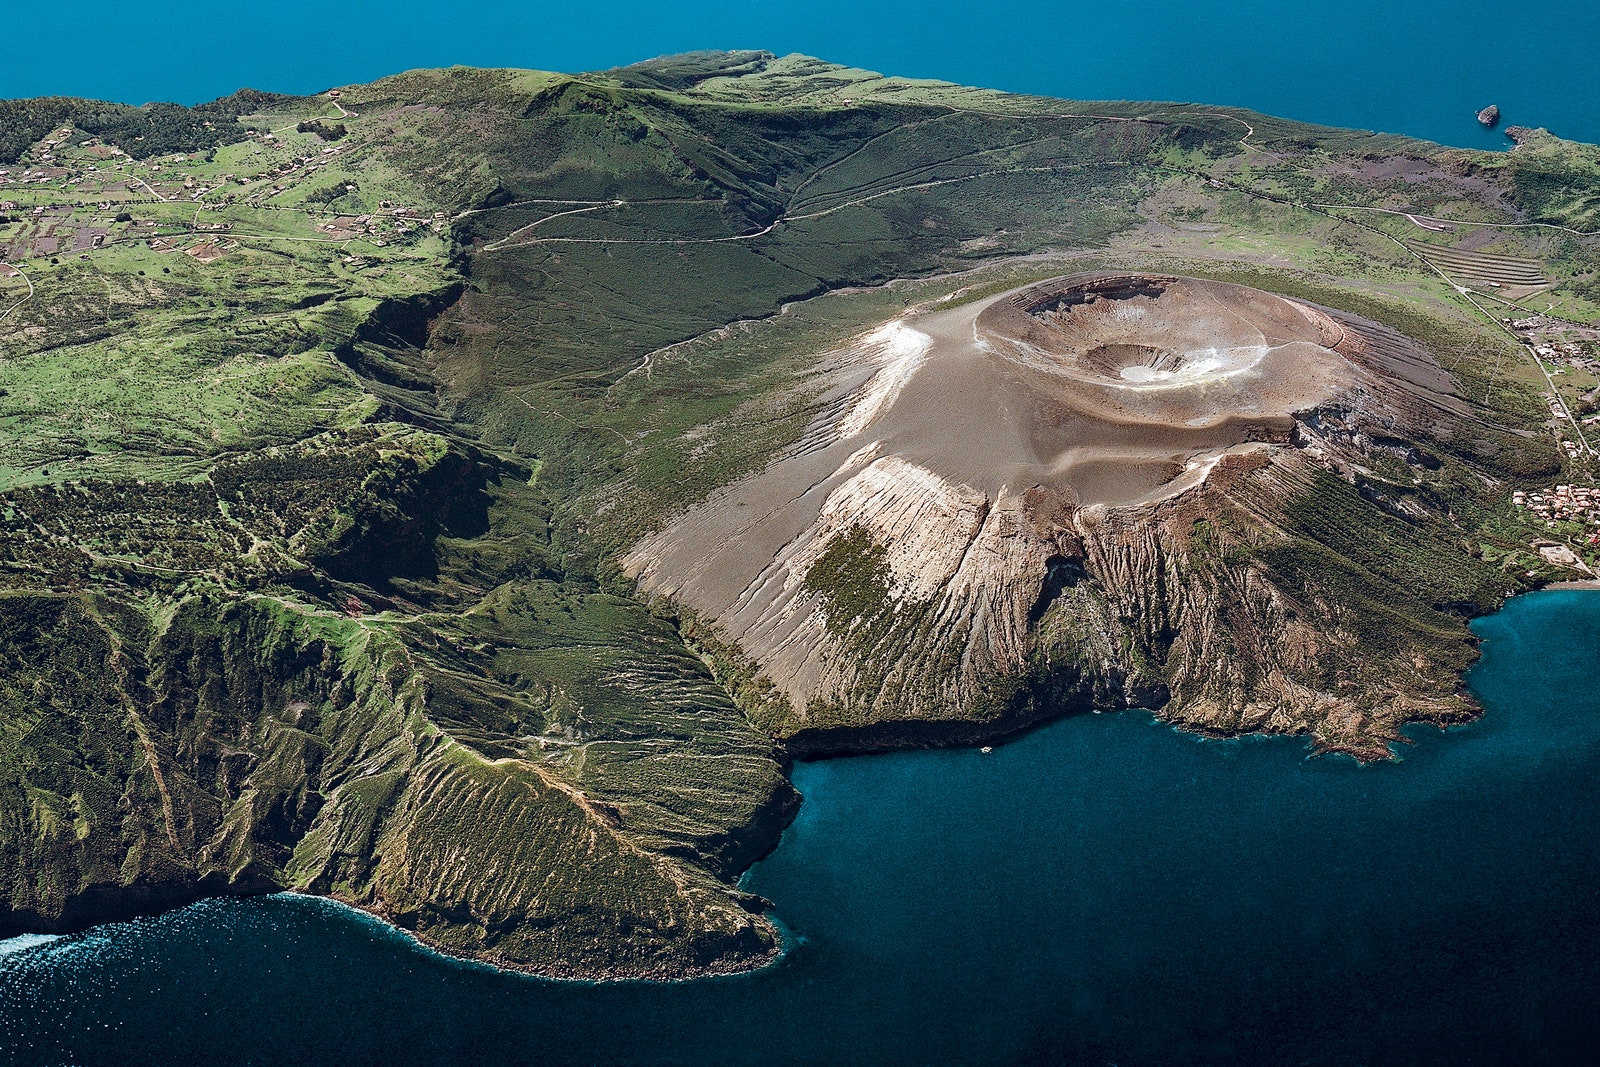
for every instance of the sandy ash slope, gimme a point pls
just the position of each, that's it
(996, 514)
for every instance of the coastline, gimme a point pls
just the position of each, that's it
(808, 746)
(575, 975)
(431, 947)
(892, 966)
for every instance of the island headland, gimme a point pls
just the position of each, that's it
(464, 495)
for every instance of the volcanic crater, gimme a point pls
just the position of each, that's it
(971, 455)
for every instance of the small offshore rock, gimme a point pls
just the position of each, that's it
(1490, 116)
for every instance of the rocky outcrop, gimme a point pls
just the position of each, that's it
(1520, 135)
(1490, 116)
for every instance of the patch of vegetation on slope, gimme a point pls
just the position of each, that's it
(155, 129)
(1551, 179)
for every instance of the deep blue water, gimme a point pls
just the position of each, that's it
(1105, 890)
(1422, 67)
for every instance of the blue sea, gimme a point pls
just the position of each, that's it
(1105, 890)
(1419, 68)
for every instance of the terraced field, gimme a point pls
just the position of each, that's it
(1485, 268)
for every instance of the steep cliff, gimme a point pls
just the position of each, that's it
(479, 779)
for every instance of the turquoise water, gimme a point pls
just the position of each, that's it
(1105, 890)
(1422, 67)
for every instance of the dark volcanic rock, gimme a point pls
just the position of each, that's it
(1490, 116)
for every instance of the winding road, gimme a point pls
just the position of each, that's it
(23, 274)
